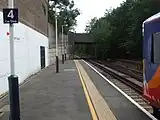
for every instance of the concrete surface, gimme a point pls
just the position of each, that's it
(51, 96)
(122, 108)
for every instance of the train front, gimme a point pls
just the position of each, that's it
(151, 61)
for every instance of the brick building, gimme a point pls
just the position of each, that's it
(30, 39)
(33, 13)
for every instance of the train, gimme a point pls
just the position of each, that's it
(151, 62)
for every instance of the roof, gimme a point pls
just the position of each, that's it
(154, 17)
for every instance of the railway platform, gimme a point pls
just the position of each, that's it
(77, 92)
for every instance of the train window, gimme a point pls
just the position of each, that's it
(156, 48)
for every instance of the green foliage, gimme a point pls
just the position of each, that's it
(118, 33)
(66, 14)
(90, 24)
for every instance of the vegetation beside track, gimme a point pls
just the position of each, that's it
(118, 34)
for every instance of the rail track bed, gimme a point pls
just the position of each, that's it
(129, 85)
(130, 67)
(123, 68)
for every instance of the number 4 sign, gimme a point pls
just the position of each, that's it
(10, 15)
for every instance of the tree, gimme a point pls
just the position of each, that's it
(66, 14)
(118, 33)
(90, 24)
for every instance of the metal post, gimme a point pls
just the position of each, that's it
(13, 79)
(65, 49)
(62, 47)
(57, 63)
(66, 45)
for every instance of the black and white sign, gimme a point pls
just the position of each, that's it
(10, 15)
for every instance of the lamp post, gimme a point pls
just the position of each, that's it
(62, 46)
(13, 79)
(66, 47)
(57, 62)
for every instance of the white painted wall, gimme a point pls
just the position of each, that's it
(27, 52)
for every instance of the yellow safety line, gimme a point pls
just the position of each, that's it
(92, 110)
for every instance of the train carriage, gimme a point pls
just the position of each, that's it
(151, 61)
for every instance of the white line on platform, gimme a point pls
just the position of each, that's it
(129, 98)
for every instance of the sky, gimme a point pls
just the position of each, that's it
(92, 8)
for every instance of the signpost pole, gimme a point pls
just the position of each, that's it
(13, 79)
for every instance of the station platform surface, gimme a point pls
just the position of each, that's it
(75, 93)
(121, 107)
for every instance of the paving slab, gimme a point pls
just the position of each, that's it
(54, 96)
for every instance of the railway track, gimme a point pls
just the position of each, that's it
(135, 66)
(130, 86)
(129, 67)
(121, 67)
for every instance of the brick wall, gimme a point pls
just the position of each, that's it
(33, 13)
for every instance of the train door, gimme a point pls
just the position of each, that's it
(42, 56)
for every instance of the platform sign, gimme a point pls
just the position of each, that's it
(10, 15)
